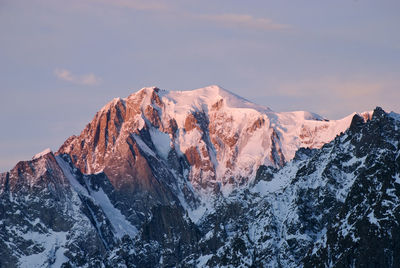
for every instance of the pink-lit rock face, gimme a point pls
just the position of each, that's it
(212, 136)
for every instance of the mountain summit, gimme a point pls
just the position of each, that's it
(209, 136)
(206, 178)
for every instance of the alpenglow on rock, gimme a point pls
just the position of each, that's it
(209, 136)
(205, 178)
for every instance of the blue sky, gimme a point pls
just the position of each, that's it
(61, 61)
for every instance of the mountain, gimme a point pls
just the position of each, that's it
(209, 137)
(206, 178)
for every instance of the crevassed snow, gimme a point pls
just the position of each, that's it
(44, 152)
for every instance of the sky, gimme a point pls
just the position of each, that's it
(61, 61)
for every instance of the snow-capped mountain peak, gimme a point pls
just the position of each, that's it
(207, 179)
(219, 138)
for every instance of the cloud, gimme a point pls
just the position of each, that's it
(228, 20)
(86, 79)
(243, 20)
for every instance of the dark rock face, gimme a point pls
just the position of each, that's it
(366, 231)
(337, 206)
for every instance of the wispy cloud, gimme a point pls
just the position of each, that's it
(86, 79)
(243, 20)
(228, 20)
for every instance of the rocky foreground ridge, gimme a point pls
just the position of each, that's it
(205, 178)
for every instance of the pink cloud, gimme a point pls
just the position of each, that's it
(86, 79)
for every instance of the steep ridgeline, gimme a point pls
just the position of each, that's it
(204, 177)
